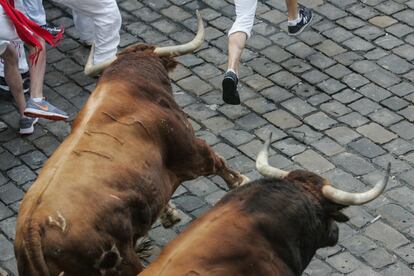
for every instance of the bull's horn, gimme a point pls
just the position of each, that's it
(93, 70)
(262, 163)
(346, 198)
(189, 47)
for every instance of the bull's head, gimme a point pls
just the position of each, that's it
(332, 199)
(172, 51)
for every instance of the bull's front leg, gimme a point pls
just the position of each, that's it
(232, 178)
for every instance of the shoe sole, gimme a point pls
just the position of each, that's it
(30, 130)
(230, 94)
(31, 112)
(301, 29)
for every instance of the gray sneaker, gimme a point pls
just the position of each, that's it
(45, 110)
(26, 125)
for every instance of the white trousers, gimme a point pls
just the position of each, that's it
(245, 14)
(35, 11)
(104, 23)
(8, 35)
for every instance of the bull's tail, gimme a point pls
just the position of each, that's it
(35, 262)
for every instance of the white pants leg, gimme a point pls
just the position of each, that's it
(8, 33)
(35, 11)
(245, 14)
(84, 25)
(107, 22)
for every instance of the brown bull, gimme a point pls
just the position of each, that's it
(271, 227)
(130, 148)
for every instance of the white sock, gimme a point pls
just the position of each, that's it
(231, 70)
(296, 21)
(37, 100)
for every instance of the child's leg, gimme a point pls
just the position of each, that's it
(13, 77)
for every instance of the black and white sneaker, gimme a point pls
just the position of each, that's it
(230, 93)
(52, 29)
(4, 87)
(306, 18)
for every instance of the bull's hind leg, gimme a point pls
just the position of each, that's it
(209, 162)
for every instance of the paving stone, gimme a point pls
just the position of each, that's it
(251, 121)
(34, 159)
(347, 96)
(385, 117)
(338, 71)
(388, 42)
(364, 106)
(284, 79)
(398, 269)
(369, 32)
(312, 161)
(399, 30)
(375, 54)
(376, 133)
(260, 105)
(408, 113)
(351, 22)
(298, 107)
(317, 267)
(8, 226)
(276, 54)
(395, 103)
(21, 174)
(263, 133)
(378, 258)
(257, 82)
(353, 163)
(320, 121)
(358, 245)
(264, 66)
(367, 148)
(406, 253)
(300, 50)
(402, 196)
(395, 64)
(18, 146)
(241, 164)
(385, 234)
(358, 44)
(6, 249)
(225, 150)
(404, 129)
(354, 80)
(9, 193)
(321, 61)
(289, 146)
(201, 186)
(314, 76)
(328, 147)
(396, 216)
(305, 134)
(344, 262)
(296, 65)
(343, 135)
(405, 51)
(282, 119)
(8, 161)
(5, 212)
(338, 34)
(331, 86)
(402, 89)
(311, 37)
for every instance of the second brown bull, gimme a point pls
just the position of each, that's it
(130, 147)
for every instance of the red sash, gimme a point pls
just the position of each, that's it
(27, 30)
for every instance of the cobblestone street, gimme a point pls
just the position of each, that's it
(339, 99)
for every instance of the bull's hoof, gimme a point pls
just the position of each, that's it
(170, 218)
(245, 180)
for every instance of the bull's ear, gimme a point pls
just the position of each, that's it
(339, 216)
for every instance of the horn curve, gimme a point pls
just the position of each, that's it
(173, 51)
(93, 70)
(347, 198)
(189, 47)
(262, 163)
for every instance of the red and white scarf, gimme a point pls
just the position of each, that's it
(29, 31)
